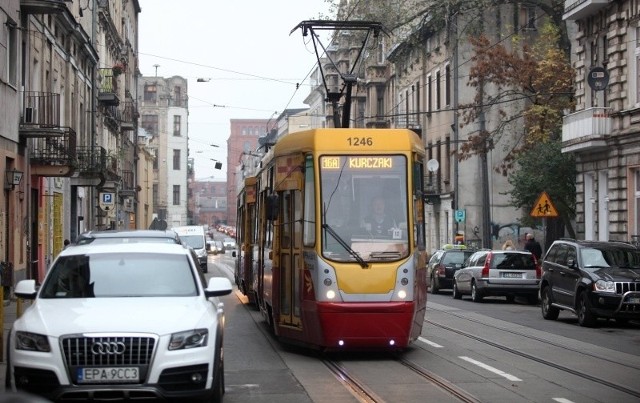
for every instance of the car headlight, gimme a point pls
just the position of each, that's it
(32, 342)
(189, 339)
(604, 286)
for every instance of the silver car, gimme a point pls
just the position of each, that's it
(506, 273)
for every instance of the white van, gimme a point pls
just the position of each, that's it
(194, 236)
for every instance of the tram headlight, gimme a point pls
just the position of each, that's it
(328, 282)
(331, 294)
(404, 281)
(402, 294)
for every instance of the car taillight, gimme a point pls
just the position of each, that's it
(487, 264)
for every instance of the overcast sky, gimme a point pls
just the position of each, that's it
(245, 50)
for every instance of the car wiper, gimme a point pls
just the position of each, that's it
(345, 245)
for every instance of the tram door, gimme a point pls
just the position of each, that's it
(290, 257)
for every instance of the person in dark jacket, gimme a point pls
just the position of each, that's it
(379, 222)
(533, 246)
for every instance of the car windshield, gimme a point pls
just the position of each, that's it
(120, 275)
(610, 257)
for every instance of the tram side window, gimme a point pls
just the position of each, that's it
(418, 211)
(285, 215)
(309, 215)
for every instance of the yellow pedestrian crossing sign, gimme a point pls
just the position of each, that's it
(543, 207)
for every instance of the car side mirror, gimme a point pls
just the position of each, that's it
(571, 263)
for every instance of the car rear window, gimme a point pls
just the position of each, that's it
(456, 257)
(512, 261)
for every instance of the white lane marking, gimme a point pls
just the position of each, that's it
(432, 344)
(491, 369)
(562, 400)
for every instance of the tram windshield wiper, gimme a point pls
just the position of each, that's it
(384, 255)
(345, 245)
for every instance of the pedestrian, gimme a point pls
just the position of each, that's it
(66, 243)
(508, 245)
(533, 246)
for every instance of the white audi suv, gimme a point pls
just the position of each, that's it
(120, 322)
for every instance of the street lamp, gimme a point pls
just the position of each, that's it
(12, 178)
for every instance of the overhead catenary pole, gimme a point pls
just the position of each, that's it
(349, 78)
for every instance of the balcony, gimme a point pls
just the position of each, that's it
(108, 90)
(128, 188)
(53, 156)
(42, 6)
(586, 130)
(40, 115)
(112, 117)
(129, 115)
(93, 167)
(578, 9)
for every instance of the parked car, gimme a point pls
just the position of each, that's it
(133, 320)
(592, 279)
(128, 236)
(443, 263)
(508, 273)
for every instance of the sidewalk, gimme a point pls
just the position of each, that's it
(9, 311)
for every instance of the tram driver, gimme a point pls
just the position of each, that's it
(379, 222)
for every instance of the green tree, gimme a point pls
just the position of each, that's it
(545, 168)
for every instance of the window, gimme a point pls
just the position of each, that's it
(637, 64)
(380, 103)
(150, 91)
(309, 230)
(429, 94)
(155, 194)
(176, 160)
(381, 52)
(447, 85)
(177, 96)
(150, 123)
(12, 51)
(528, 17)
(418, 95)
(636, 201)
(438, 90)
(176, 125)
(176, 195)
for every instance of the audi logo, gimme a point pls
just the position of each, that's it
(108, 348)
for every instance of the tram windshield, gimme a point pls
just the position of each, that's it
(364, 207)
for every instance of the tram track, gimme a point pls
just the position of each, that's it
(364, 393)
(555, 365)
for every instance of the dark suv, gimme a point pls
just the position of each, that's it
(443, 263)
(591, 279)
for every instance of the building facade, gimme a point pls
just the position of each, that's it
(164, 109)
(68, 133)
(603, 132)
